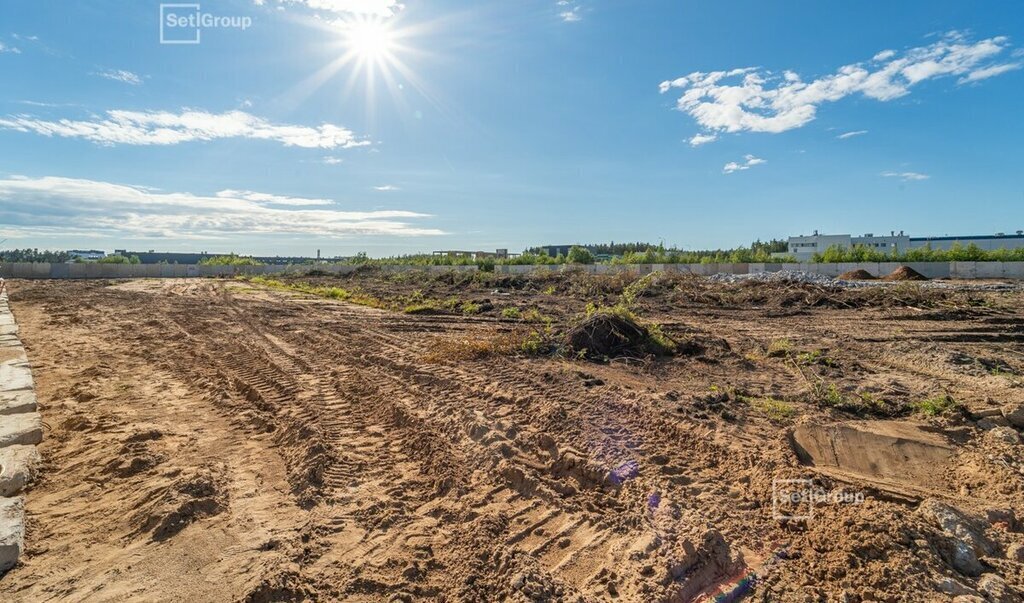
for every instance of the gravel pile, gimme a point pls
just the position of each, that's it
(784, 276)
(799, 276)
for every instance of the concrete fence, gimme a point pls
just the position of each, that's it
(63, 271)
(956, 270)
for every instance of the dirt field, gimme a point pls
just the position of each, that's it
(224, 440)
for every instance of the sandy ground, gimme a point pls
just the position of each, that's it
(218, 441)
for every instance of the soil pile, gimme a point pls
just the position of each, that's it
(610, 336)
(857, 275)
(905, 273)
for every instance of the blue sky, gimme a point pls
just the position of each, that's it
(369, 125)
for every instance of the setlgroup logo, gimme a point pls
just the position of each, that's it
(795, 499)
(184, 23)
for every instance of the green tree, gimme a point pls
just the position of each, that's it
(579, 255)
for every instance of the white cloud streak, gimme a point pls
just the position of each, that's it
(53, 205)
(378, 8)
(846, 135)
(120, 75)
(700, 139)
(749, 161)
(987, 72)
(906, 176)
(266, 198)
(386, 188)
(9, 49)
(166, 128)
(751, 100)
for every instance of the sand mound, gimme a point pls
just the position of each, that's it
(857, 275)
(905, 273)
(610, 336)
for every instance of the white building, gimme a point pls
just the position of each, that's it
(87, 254)
(803, 248)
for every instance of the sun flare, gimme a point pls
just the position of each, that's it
(370, 40)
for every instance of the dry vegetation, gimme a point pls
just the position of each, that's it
(458, 437)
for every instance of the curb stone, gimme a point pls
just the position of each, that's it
(21, 428)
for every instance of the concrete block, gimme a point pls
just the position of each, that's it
(8, 330)
(60, 270)
(21, 429)
(14, 403)
(12, 531)
(15, 375)
(18, 468)
(931, 269)
(9, 340)
(1014, 270)
(989, 269)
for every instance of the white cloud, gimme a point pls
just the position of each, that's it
(749, 161)
(386, 188)
(700, 139)
(54, 205)
(748, 99)
(906, 176)
(379, 8)
(165, 128)
(10, 49)
(571, 16)
(846, 135)
(268, 199)
(331, 160)
(987, 72)
(120, 75)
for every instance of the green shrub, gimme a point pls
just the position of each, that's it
(776, 410)
(933, 407)
(512, 313)
(779, 347)
(579, 255)
(229, 260)
(119, 259)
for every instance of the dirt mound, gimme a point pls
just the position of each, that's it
(606, 335)
(190, 498)
(905, 273)
(857, 275)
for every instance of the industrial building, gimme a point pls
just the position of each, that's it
(804, 247)
(86, 254)
(497, 254)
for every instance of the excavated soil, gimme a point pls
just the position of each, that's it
(224, 441)
(904, 273)
(857, 275)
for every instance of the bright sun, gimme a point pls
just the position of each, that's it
(370, 40)
(372, 50)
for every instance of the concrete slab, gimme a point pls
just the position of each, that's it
(18, 468)
(12, 531)
(9, 341)
(8, 329)
(15, 375)
(16, 403)
(899, 456)
(21, 429)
